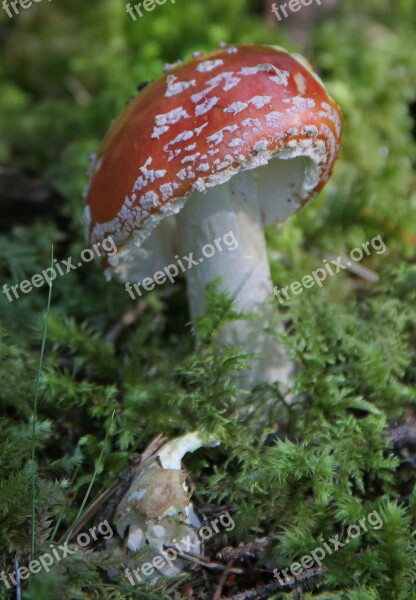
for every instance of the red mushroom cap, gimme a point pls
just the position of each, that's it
(201, 123)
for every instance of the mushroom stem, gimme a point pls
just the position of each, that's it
(171, 453)
(228, 219)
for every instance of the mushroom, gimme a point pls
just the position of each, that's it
(156, 512)
(227, 142)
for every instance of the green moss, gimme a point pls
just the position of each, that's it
(300, 472)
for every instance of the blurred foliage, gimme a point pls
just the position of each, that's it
(298, 472)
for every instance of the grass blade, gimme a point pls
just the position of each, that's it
(35, 408)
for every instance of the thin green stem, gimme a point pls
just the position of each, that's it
(87, 494)
(35, 408)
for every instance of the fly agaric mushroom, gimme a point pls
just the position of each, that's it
(227, 142)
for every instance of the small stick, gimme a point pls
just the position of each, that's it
(266, 591)
(359, 270)
(221, 583)
(249, 549)
(203, 561)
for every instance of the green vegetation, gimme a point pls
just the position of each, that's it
(109, 385)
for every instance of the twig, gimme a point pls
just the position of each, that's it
(153, 447)
(359, 270)
(250, 549)
(204, 561)
(223, 579)
(266, 591)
